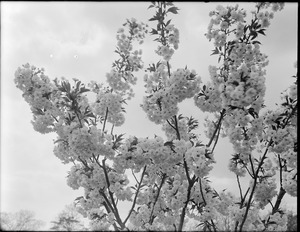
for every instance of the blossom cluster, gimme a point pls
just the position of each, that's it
(240, 82)
(265, 191)
(239, 87)
(121, 77)
(137, 32)
(181, 129)
(264, 17)
(199, 159)
(40, 94)
(172, 37)
(289, 182)
(244, 88)
(277, 222)
(135, 153)
(114, 79)
(224, 18)
(158, 78)
(80, 143)
(208, 100)
(162, 103)
(109, 105)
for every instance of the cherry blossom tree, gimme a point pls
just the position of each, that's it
(167, 180)
(21, 220)
(68, 220)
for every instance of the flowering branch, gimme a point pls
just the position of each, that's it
(222, 114)
(136, 195)
(254, 185)
(116, 213)
(164, 176)
(183, 211)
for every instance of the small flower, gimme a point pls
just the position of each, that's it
(265, 22)
(224, 25)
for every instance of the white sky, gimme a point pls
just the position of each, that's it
(77, 40)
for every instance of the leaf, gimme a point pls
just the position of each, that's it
(154, 18)
(38, 111)
(169, 143)
(168, 22)
(62, 89)
(258, 26)
(253, 34)
(153, 32)
(157, 64)
(231, 42)
(254, 25)
(91, 115)
(78, 198)
(59, 140)
(134, 142)
(150, 6)
(261, 31)
(256, 42)
(173, 10)
(216, 51)
(77, 85)
(66, 99)
(67, 87)
(169, 4)
(119, 138)
(83, 90)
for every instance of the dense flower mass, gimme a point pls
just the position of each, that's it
(172, 38)
(165, 94)
(289, 182)
(109, 105)
(166, 180)
(121, 77)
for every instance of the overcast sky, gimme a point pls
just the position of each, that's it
(77, 40)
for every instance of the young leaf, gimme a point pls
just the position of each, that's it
(153, 32)
(156, 17)
(254, 34)
(83, 89)
(216, 51)
(173, 10)
(168, 22)
(150, 6)
(261, 31)
(256, 42)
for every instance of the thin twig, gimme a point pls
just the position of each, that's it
(136, 194)
(134, 176)
(183, 211)
(201, 191)
(156, 198)
(217, 138)
(111, 196)
(109, 210)
(106, 114)
(252, 167)
(169, 70)
(254, 185)
(240, 188)
(217, 127)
